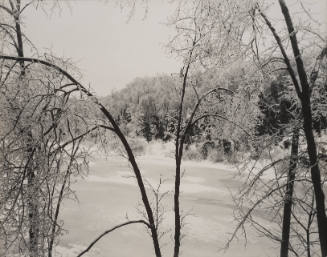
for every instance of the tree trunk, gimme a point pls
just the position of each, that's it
(177, 235)
(305, 96)
(32, 192)
(137, 173)
(33, 213)
(315, 175)
(289, 195)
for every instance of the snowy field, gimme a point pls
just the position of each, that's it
(109, 195)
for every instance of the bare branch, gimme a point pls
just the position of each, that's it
(285, 56)
(111, 230)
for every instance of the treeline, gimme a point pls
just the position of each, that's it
(278, 103)
(147, 107)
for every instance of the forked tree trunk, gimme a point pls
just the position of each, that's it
(179, 144)
(289, 194)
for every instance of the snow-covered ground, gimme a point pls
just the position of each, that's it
(109, 195)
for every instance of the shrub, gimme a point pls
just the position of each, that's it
(216, 155)
(206, 148)
(192, 153)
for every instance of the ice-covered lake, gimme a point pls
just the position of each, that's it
(108, 195)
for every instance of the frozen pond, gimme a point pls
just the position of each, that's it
(109, 194)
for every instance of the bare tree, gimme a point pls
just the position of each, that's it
(40, 145)
(192, 43)
(115, 128)
(303, 86)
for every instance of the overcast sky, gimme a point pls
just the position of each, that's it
(108, 50)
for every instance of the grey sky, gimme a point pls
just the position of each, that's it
(109, 51)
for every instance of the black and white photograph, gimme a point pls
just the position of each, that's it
(163, 128)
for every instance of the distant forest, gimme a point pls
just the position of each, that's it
(147, 107)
